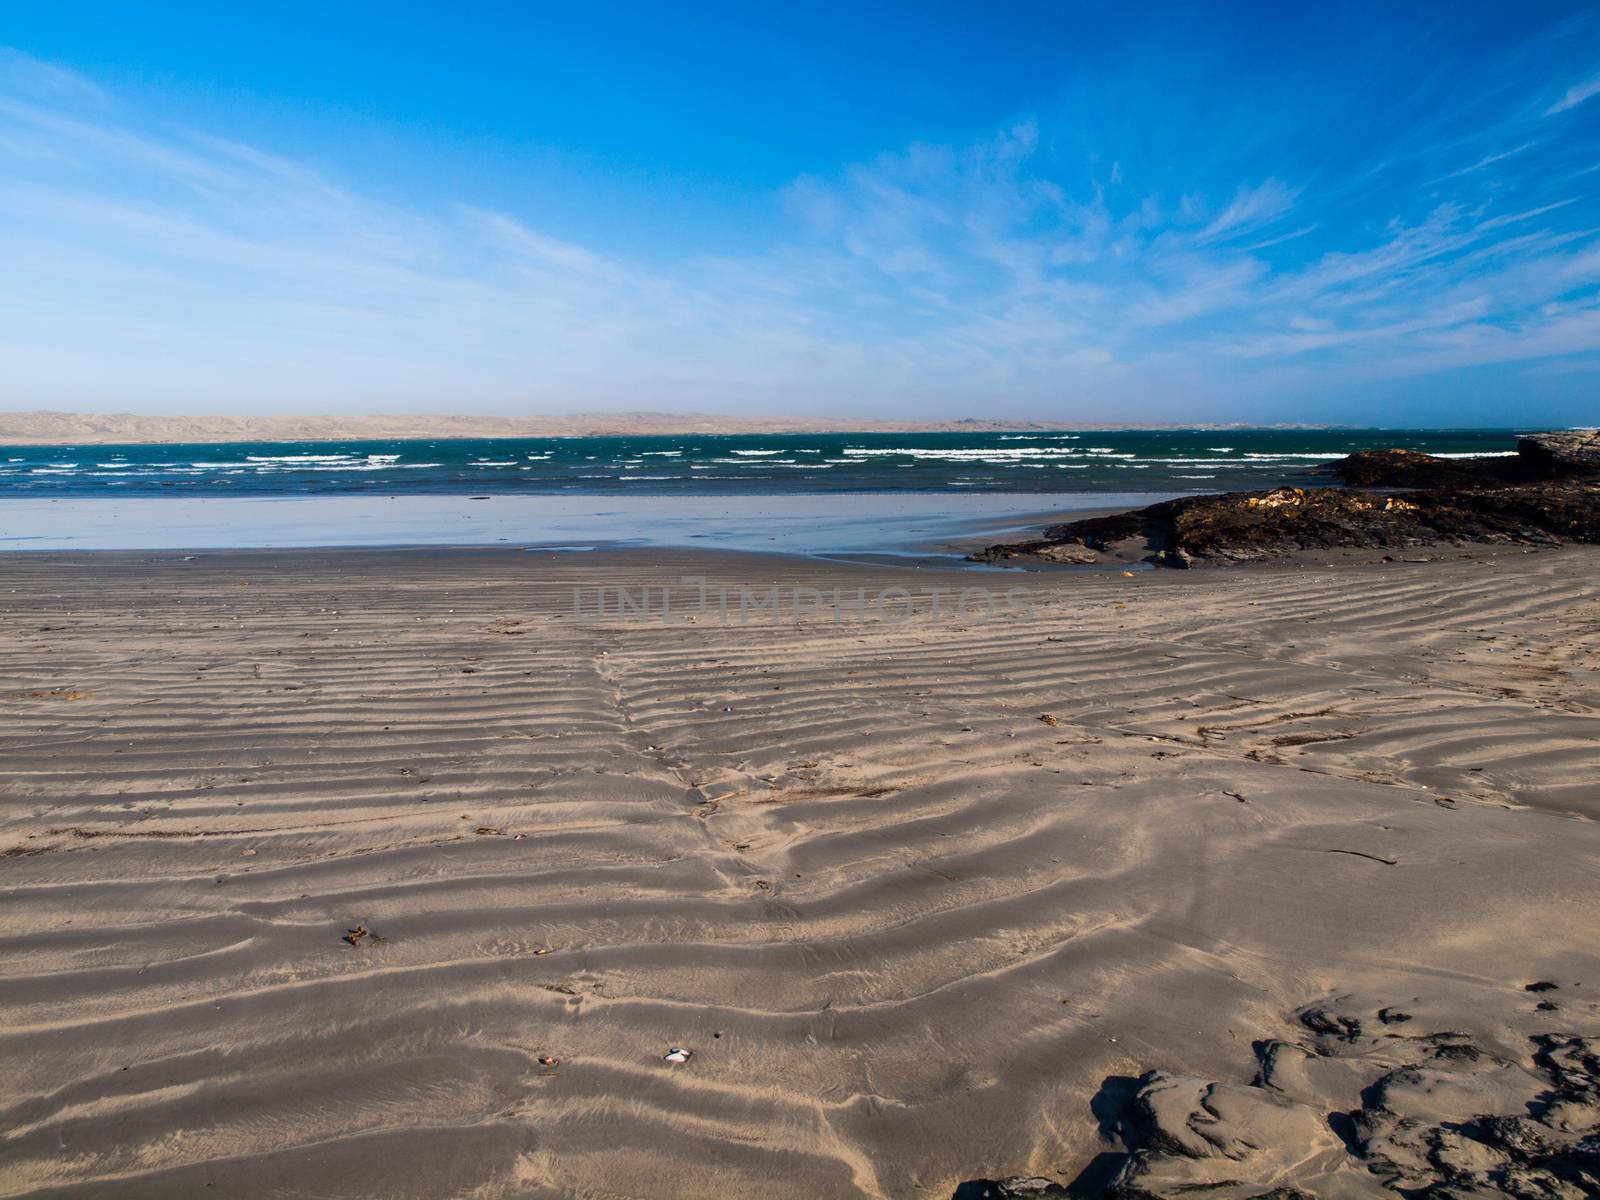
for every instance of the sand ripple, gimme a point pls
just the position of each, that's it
(907, 927)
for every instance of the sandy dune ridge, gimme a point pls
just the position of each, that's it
(52, 428)
(908, 928)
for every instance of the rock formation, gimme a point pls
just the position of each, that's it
(1548, 493)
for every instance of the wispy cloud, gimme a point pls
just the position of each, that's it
(174, 269)
(1488, 160)
(1249, 210)
(1575, 95)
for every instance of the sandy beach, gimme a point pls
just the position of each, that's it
(782, 603)
(361, 873)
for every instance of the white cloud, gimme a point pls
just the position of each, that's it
(1250, 209)
(1575, 95)
(1489, 160)
(175, 270)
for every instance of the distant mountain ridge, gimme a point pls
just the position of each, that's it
(42, 427)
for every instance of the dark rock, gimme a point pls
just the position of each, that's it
(1573, 1062)
(1095, 533)
(1518, 1136)
(1017, 1187)
(1330, 1023)
(1409, 469)
(1239, 526)
(1070, 552)
(1546, 494)
(1565, 448)
(1540, 458)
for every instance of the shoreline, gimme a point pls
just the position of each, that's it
(925, 523)
(959, 546)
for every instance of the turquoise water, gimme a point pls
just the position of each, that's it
(1083, 462)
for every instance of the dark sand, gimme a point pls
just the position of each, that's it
(908, 929)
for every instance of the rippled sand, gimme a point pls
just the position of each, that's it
(906, 927)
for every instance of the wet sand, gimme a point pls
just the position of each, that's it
(832, 524)
(913, 933)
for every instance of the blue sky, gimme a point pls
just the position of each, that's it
(1174, 213)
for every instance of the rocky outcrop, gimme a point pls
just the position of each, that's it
(1018, 1187)
(1566, 448)
(1539, 458)
(1409, 469)
(1251, 526)
(1548, 493)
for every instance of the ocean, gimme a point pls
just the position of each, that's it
(835, 495)
(1143, 461)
